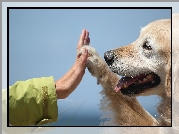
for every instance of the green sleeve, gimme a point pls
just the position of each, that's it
(33, 102)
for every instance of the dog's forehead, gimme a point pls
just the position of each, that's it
(156, 26)
(159, 32)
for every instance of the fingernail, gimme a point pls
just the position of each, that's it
(83, 30)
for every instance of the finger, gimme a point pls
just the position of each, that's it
(81, 40)
(86, 35)
(86, 40)
(83, 58)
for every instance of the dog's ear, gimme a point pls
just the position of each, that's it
(168, 80)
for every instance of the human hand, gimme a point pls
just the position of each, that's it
(68, 83)
(81, 60)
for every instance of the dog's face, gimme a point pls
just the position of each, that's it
(145, 62)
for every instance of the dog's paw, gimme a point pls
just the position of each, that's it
(91, 51)
(96, 65)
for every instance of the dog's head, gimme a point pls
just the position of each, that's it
(144, 64)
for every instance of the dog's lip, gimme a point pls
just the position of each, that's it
(126, 81)
(143, 81)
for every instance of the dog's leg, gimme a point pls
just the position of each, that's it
(126, 110)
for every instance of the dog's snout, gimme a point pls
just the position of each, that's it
(109, 57)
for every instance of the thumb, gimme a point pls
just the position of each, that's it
(84, 57)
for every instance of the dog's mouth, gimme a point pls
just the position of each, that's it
(137, 85)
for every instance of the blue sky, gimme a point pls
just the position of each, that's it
(42, 42)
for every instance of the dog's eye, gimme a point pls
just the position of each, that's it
(147, 46)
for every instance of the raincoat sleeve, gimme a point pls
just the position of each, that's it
(33, 102)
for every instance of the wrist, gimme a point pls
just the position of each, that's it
(66, 84)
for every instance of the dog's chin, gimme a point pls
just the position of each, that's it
(134, 86)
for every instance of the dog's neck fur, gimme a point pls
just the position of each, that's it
(126, 109)
(125, 105)
(164, 108)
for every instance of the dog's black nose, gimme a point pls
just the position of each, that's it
(109, 57)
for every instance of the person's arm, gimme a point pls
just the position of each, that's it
(68, 83)
(34, 102)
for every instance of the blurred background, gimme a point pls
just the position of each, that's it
(42, 42)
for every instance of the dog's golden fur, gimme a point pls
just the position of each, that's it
(127, 111)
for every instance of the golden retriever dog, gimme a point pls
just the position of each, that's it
(145, 66)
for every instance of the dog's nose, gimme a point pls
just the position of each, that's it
(109, 57)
